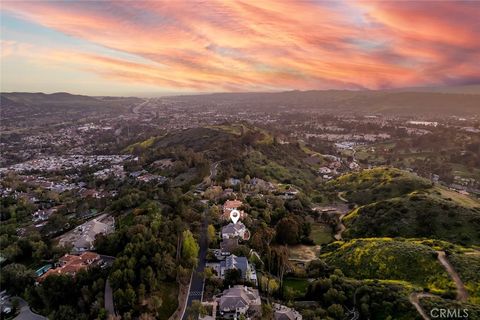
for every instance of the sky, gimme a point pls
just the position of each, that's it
(180, 46)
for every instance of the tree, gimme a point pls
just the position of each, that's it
(198, 308)
(16, 277)
(190, 249)
(287, 231)
(211, 234)
(232, 277)
(273, 286)
(65, 312)
(154, 304)
(336, 311)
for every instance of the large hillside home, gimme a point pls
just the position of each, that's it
(240, 300)
(235, 230)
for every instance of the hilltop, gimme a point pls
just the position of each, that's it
(395, 203)
(418, 214)
(241, 150)
(32, 109)
(389, 259)
(377, 184)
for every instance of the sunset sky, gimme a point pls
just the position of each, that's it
(139, 47)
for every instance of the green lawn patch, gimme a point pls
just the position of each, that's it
(321, 233)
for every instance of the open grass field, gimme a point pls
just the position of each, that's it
(321, 233)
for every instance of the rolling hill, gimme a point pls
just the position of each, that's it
(377, 184)
(389, 259)
(242, 149)
(418, 214)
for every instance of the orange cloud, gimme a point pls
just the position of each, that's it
(267, 45)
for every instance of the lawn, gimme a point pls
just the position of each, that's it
(298, 285)
(321, 233)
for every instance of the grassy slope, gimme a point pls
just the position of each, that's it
(388, 259)
(249, 149)
(468, 267)
(435, 302)
(419, 214)
(377, 184)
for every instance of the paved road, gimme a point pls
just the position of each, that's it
(109, 306)
(197, 281)
(26, 313)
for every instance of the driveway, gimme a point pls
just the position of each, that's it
(109, 299)
(26, 313)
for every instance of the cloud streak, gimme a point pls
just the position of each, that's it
(264, 45)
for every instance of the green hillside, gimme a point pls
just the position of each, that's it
(430, 303)
(242, 149)
(418, 214)
(377, 184)
(388, 259)
(468, 267)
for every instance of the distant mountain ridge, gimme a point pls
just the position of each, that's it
(386, 102)
(343, 101)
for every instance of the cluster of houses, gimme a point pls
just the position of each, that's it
(239, 300)
(55, 163)
(145, 176)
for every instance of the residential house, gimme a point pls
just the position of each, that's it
(240, 300)
(240, 263)
(230, 205)
(235, 230)
(88, 232)
(72, 264)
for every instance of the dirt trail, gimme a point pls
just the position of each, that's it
(341, 227)
(462, 294)
(415, 300)
(341, 197)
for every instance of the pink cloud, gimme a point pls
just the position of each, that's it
(245, 45)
